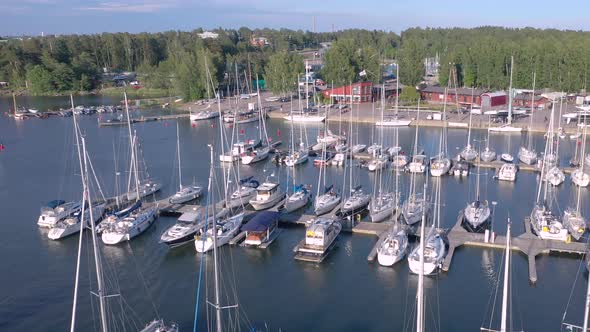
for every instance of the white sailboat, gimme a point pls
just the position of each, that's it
(469, 153)
(572, 216)
(419, 161)
(508, 128)
(394, 121)
(301, 155)
(477, 214)
(580, 176)
(527, 154)
(553, 174)
(184, 194)
(72, 224)
(441, 164)
(260, 153)
(299, 198)
(393, 248)
(488, 154)
(329, 199)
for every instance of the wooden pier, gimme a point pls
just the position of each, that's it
(527, 243)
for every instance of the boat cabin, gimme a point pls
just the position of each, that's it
(261, 229)
(321, 233)
(266, 190)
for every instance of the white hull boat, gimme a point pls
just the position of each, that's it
(393, 123)
(507, 172)
(546, 225)
(382, 207)
(326, 202)
(476, 216)
(71, 225)
(505, 129)
(399, 161)
(204, 115)
(555, 176)
(268, 195)
(242, 196)
(131, 226)
(146, 188)
(56, 211)
(575, 223)
(418, 164)
(527, 156)
(255, 156)
(507, 157)
(297, 158)
(358, 148)
(488, 155)
(469, 153)
(580, 178)
(186, 194)
(357, 202)
(297, 200)
(393, 248)
(378, 163)
(226, 230)
(412, 210)
(434, 254)
(440, 167)
(338, 160)
(305, 118)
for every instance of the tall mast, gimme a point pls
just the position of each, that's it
(510, 92)
(178, 147)
(420, 295)
(75, 301)
(97, 262)
(440, 143)
(504, 322)
(587, 308)
(350, 134)
(132, 141)
(530, 133)
(582, 157)
(262, 114)
(14, 103)
(470, 115)
(219, 323)
(306, 87)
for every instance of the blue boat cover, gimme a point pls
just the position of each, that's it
(128, 210)
(261, 221)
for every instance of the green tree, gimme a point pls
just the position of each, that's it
(39, 79)
(282, 70)
(340, 66)
(409, 94)
(411, 61)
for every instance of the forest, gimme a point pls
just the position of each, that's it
(177, 62)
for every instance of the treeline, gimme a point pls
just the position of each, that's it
(178, 62)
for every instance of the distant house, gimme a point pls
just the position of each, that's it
(259, 41)
(208, 35)
(3, 84)
(464, 96)
(493, 99)
(525, 100)
(360, 92)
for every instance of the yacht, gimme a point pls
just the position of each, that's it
(186, 194)
(460, 168)
(393, 248)
(418, 164)
(256, 155)
(146, 188)
(440, 165)
(507, 157)
(300, 197)
(242, 195)
(204, 115)
(320, 236)
(434, 254)
(357, 202)
(507, 172)
(357, 148)
(382, 206)
(326, 202)
(261, 229)
(527, 156)
(338, 160)
(184, 230)
(374, 149)
(399, 161)
(225, 231)
(378, 163)
(55, 211)
(131, 226)
(71, 224)
(547, 226)
(268, 195)
(580, 178)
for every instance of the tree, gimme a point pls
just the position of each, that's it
(409, 94)
(411, 60)
(39, 79)
(340, 67)
(282, 70)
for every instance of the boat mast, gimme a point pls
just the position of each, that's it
(75, 301)
(262, 114)
(530, 133)
(132, 141)
(440, 142)
(587, 308)
(217, 305)
(97, 262)
(178, 147)
(306, 88)
(420, 295)
(14, 103)
(350, 134)
(582, 157)
(470, 115)
(504, 322)
(510, 92)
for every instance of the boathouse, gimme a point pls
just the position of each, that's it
(360, 92)
(464, 96)
(525, 99)
(493, 99)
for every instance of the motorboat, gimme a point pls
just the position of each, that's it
(224, 231)
(300, 197)
(460, 168)
(418, 164)
(55, 211)
(434, 253)
(507, 172)
(326, 202)
(261, 229)
(268, 194)
(382, 206)
(242, 196)
(554, 176)
(256, 155)
(204, 115)
(378, 163)
(357, 148)
(507, 157)
(338, 160)
(186, 194)
(125, 229)
(71, 224)
(393, 248)
(146, 188)
(185, 228)
(527, 156)
(574, 223)
(357, 202)
(546, 225)
(374, 149)
(320, 236)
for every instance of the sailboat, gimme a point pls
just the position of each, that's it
(440, 164)
(220, 233)
(572, 217)
(580, 176)
(544, 223)
(488, 154)
(553, 174)
(184, 194)
(260, 153)
(301, 155)
(415, 205)
(508, 126)
(427, 257)
(329, 199)
(469, 153)
(299, 198)
(394, 121)
(140, 219)
(527, 154)
(419, 161)
(303, 115)
(380, 160)
(477, 214)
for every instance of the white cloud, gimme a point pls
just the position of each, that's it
(129, 6)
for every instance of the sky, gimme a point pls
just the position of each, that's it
(32, 17)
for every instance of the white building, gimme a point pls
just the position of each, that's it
(208, 34)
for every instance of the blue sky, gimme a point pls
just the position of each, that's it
(93, 16)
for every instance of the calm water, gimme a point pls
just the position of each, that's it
(345, 293)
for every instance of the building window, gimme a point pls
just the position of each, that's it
(355, 90)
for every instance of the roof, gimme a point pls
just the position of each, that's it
(496, 94)
(451, 91)
(189, 216)
(267, 186)
(261, 221)
(527, 96)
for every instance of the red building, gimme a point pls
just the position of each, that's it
(464, 96)
(360, 92)
(525, 99)
(493, 99)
